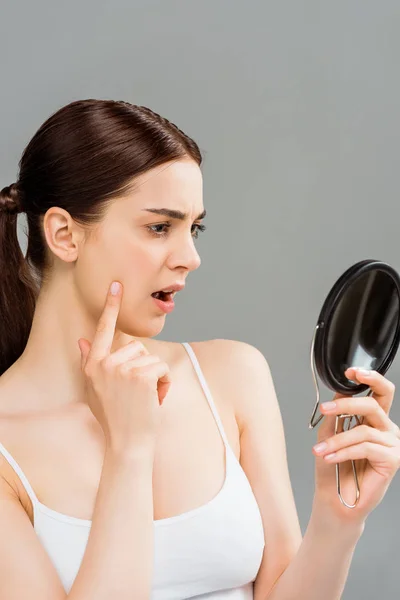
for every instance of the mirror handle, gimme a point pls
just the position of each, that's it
(313, 423)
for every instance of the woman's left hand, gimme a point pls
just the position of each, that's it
(374, 445)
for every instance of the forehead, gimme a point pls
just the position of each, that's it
(177, 181)
(175, 186)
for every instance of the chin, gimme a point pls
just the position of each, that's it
(147, 329)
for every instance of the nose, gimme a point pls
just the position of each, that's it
(185, 255)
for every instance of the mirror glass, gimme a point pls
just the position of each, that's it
(364, 323)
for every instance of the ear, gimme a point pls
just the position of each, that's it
(63, 234)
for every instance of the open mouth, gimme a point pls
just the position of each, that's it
(164, 296)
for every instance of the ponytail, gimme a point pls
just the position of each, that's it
(18, 291)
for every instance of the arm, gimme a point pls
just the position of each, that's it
(292, 568)
(321, 565)
(118, 559)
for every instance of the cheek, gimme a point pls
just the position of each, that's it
(136, 265)
(138, 272)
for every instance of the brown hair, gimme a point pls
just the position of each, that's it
(81, 158)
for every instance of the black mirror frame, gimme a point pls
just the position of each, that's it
(325, 317)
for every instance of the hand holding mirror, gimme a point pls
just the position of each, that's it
(358, 326)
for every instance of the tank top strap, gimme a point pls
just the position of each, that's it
(207, 391)
(20, 474)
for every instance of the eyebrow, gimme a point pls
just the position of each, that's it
(173, 214)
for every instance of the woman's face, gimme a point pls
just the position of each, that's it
(146, 252)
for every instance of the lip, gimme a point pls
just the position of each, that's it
(174, 287)
(166, 307)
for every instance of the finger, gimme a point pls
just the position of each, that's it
(130, 351)
(368, 450)
(383, 389)
(364, 406)
(105, 330)
(140, 361)
(84, 347)
(356, 435)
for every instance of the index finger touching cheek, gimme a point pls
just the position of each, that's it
(105, 330)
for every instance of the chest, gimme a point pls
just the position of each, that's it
(62, 454)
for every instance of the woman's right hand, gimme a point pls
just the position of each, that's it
(125, 388)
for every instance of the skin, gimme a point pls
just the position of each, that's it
(123, 249)
(42, 393)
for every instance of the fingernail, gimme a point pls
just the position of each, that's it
(328, 405)
(115, 288)
(320, 447)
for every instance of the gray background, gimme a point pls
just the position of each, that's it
(295, 105)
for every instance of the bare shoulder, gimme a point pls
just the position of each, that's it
(10, 484)
(226, 350)
(234, 366)
(226, 364)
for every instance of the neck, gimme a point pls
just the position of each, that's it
(51, 361)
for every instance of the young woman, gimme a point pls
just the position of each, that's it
(134, 468)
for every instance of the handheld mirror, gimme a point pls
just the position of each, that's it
(358, 326)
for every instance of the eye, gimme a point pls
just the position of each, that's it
(198, 227)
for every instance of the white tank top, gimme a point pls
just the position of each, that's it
(212, 552)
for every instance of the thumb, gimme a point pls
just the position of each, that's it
(84, 347)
